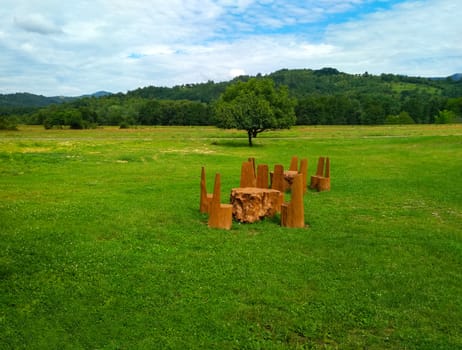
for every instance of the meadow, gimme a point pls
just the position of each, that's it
(102, 245)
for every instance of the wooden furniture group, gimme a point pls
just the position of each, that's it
(257, 197)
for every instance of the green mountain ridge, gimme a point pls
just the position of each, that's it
(301, 82)
(25, 99)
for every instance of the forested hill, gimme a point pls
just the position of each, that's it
(324, 96)
(25, 99)
(21, 103)
(203, 92)
(328, 96)
(301, 83)
(329, 81)
(305, 82)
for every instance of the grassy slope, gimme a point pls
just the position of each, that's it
(102, 244)
(399, 87)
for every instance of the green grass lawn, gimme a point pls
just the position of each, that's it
(102, 245)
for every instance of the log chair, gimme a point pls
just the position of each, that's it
(220, 215)
(277, 183)
(248, 175)
(206, 198)
(294, 164)
(293, 212)
(319, 173)
(262, 176)
(304, 171)
(324, 181)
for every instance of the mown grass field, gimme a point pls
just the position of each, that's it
(102, 245)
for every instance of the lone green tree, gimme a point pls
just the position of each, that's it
(255, 106)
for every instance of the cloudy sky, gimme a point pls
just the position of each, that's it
(55, 47)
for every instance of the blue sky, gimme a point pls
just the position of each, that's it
(54, 47)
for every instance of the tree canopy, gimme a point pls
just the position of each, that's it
(255, 106)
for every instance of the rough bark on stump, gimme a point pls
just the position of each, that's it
(253, 204)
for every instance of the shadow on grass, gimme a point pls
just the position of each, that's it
(236, 144)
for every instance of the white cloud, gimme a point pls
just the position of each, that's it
(236, 72)
(54, 47)
(37, 23)
(415, 38)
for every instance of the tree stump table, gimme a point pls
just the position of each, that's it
(289, 176)
(252, 204)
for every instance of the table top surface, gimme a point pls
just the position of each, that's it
(253, 190)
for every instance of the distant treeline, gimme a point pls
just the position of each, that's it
(324, 96)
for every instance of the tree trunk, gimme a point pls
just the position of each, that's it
(249, 133)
